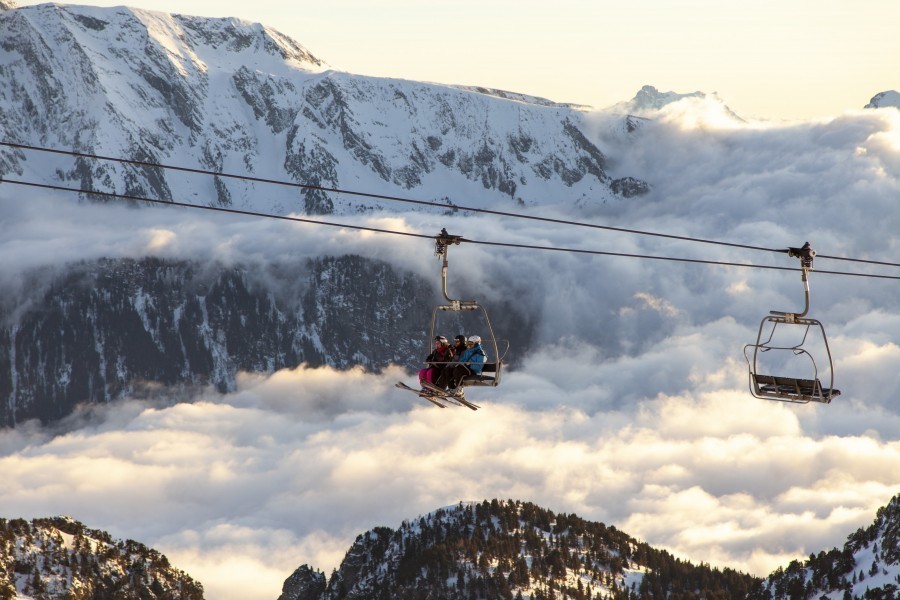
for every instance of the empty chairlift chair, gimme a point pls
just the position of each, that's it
(789, 388)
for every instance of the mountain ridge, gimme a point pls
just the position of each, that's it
(514, 549)
(507, 549)
(225, 95)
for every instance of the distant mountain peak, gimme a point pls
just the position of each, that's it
(650, 99)
(884, 99)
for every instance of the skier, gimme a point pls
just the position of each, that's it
(470, 362)
(437, 360)
(459, 346)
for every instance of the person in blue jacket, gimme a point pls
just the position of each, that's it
(470, 362)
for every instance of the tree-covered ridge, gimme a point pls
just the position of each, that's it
(867, 568)
(511, 549)
(61, 559)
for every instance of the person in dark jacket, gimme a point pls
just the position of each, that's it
(459, 346)
(470, 362)
(437, 360)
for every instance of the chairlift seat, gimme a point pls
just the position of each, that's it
(482, 378)
(793, 389)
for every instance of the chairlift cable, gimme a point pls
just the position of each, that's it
(425, 236)
(374, 196)
(234, 211)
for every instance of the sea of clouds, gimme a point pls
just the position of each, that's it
(633, 408)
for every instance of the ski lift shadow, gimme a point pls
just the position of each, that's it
(800, 390)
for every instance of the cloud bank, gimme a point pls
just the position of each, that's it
(633, 409)
(241, 489)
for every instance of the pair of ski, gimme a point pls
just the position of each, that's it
(438, 396)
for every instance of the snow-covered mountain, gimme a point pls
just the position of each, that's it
(510, 549)
(868, 566)
(61, 558)
(226, 95)
(649, 101)
(237, 97)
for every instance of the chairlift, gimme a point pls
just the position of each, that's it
(789, 388)
(491, 370)
(490, 374)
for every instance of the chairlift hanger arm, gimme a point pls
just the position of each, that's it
(806, 255)
(442, 244)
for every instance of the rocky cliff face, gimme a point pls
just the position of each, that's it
(229, 96)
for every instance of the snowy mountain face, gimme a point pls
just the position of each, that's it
(61, 558)
(229, 96)
(510, 549)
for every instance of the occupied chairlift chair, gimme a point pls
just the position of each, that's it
(490, 374)
(791, 389)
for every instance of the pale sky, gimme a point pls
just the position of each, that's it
(767, 59)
